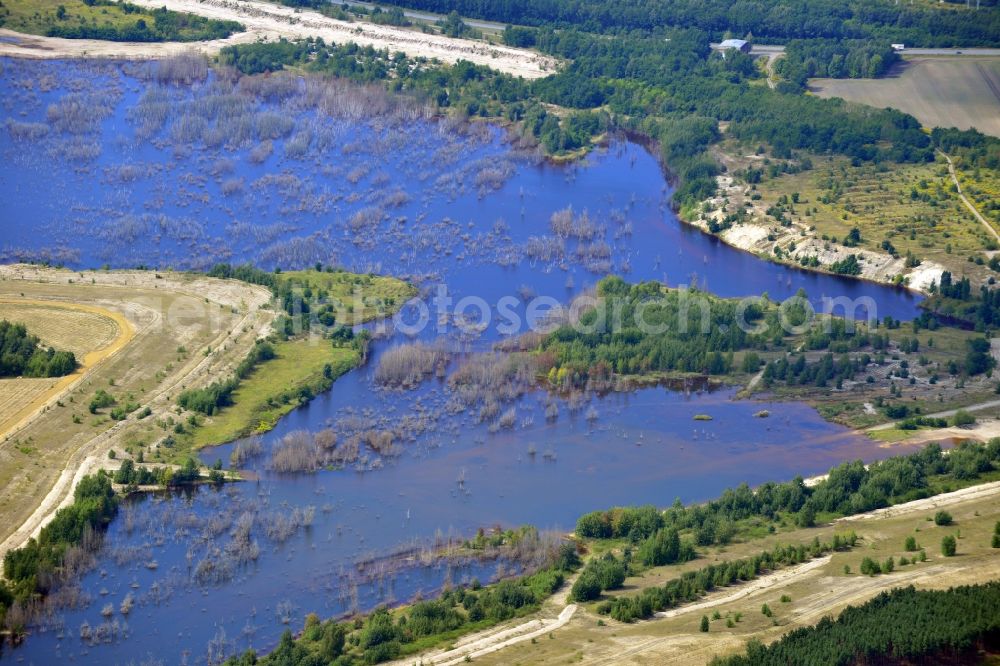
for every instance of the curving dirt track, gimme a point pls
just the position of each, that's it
(220, 319)
(10, 424)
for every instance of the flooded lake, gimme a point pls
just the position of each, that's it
(103, 164)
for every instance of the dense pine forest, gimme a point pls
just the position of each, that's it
(902, 626)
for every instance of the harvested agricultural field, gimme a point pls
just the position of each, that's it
(962, 92)
(18, 395)
(74, 329)
(91, 333)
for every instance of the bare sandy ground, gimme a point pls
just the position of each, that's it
(268, 21)
(197, 370)
(752, 587)
(982, 491)
(19, 45)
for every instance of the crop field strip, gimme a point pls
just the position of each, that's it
(65, 437)
(78, 331)
(941, 92)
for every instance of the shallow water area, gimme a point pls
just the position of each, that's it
(112, 166)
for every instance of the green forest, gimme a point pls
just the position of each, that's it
(768, 21)
(667, 85)
(658, 330)
(22, 354)
(901, 626)
(850, 488)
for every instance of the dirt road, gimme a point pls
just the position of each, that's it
(752, 587)
(989, 404)
(160, 308)
(968, 204)
(267, 21)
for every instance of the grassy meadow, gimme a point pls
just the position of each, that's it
(108, 19)
(274, 389)
(897, 208)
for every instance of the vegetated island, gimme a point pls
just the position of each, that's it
(313, 342)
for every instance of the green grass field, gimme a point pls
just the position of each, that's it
(939, 91)
(273, 389)
(35, 17)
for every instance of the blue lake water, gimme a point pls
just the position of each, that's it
(184, 176)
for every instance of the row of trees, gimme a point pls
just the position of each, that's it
(21, 354)
(218, 394)
(34, 568)
(693, 585)
(848, 489)
(385, 635)
(903, 625)
(31, 571)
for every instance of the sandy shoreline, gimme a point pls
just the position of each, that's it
(267, 21)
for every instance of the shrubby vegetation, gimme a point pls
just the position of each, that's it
(386, 634)
(21, 354)
(904, 625)
(166, 25)
(693, 585)
(659, 330)
(601, 573)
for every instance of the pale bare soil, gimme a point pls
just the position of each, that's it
(962, 92)
(761, 234)
(19, 45)
(816, 588)
(188, 331)
(267, 21)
